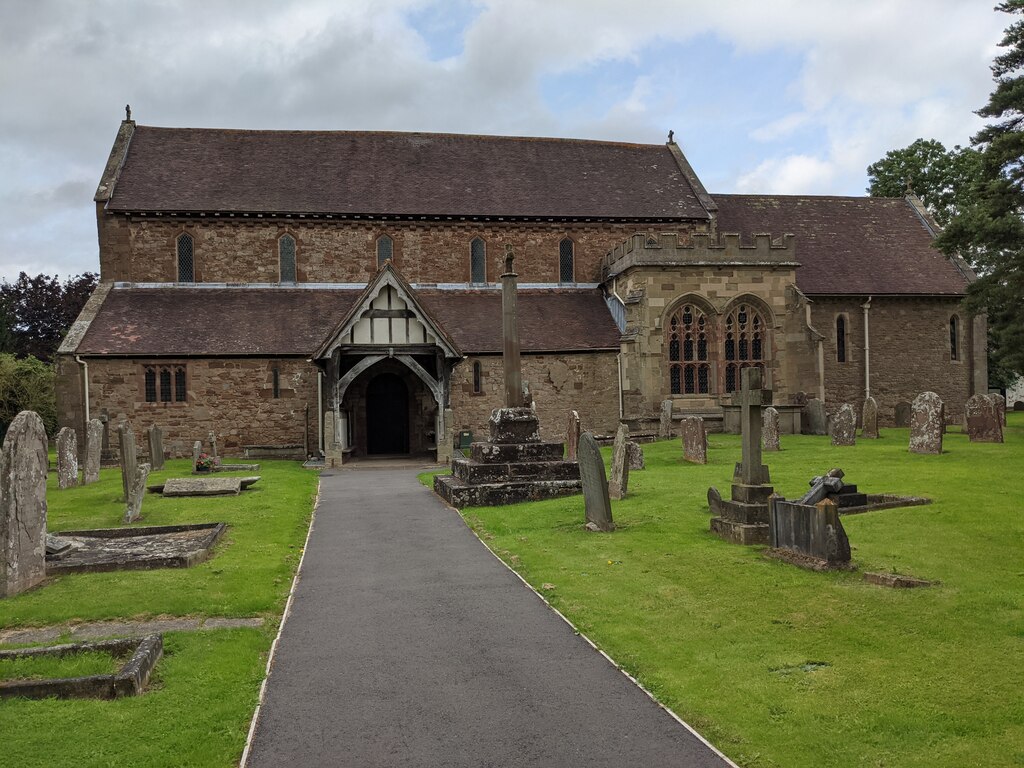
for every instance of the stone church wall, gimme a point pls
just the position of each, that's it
(231, 397)
(587, 383)
(233, 250)
(909, 352)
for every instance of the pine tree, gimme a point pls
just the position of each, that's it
(990, 231)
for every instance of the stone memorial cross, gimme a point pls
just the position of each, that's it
(510, 335)
(752, 398)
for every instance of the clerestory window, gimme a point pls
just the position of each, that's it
(186, 259)
(478, 261)
(566, 261)
(385, 250)
(286, 258)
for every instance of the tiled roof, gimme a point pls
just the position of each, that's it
(399, 174)
(180, 321)
(848, 245)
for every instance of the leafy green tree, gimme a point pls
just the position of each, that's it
(989, 232)
(36, 312)
(943, 179)
(26, 384)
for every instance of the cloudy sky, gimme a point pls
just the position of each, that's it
(784, 96)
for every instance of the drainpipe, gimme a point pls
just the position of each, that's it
(320, 410)
(85, 376)
(618, 356)
(866, 306)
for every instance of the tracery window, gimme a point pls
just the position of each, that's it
(385, 250)
(185, 247)
(745, 343)
(841, 339)
(286, 258)
(478, 261)
(566, 261)
(954, 338)
(689, 350)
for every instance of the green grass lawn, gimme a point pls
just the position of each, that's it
(779, 666)
(204, 690)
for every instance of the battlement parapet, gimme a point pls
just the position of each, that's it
(727, 249)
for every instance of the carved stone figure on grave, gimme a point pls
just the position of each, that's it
(695, 440)
(844, 426)
(927, 423)
(770, 429)
(869, 419)
(23, 466)
(93, 448)
(67, 458)
(618, 483)
(597, 505)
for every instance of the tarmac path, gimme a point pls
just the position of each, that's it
(409, 644)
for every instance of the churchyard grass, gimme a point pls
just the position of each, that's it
(780, 666)
(203, 693)
(74, 665)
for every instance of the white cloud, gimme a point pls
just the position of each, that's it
(795, 174)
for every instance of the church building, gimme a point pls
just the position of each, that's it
(337, 293)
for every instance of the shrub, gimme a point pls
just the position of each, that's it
(26, 385)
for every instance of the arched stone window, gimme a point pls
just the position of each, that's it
(477, 378)
(566, 261)
(385, 250)
(745, 342)
(954, 338)
(841, 339)
(689, 351)
(286, 258)
(478, 261)
(185, 248)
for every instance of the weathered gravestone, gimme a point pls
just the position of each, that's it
(133, 509)
(813, 532)
(927, 423)
(743, 519)
(129, 459)
(665, 425)
(770, 429)
(572, 436)
(93, 447)
(983, 422)
(197, 451)
(155, 438)
(901, 415)
(695, 440)
(869, 419)
(23, 466)
(106, 453)
(597, 504)
(636, 455)
(619, 480)
(1000, 403)
(67, 458)
(814, 420)
(213, 445)
(844, 426)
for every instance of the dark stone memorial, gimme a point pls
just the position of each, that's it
(597, 503)
(901, 415)
(814, 420)
(155, 438)
(515, 464)
(743, 519)
(810, 535)
(869, 419)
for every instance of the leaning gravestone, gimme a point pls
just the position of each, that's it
(869, 419)
(23, 466)
(619, 481)
(927, 423)
(129, 459)
(811, 531)
(197, 450)
(902, 414)
(133, 510)
(595, 485)
(67, 458)
(984, 424)
(1000, 403)
(844, 426)
(770, 429)
(155, 438)
(665, 426)
(815, 420)
(695, 440)
(635, 453)
(572, 436)
(93, 447)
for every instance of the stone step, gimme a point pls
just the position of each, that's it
(477, 472)
(507, 453)
(460, 494)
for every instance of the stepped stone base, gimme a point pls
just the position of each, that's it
(460, 494)
(740, 533)
(744, 518)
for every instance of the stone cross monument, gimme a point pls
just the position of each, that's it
(510, 335)
(751, 471)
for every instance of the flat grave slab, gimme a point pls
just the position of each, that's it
(206, 486)
(141, 548)
(141, 656)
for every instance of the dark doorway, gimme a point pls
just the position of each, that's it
(387, 415)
